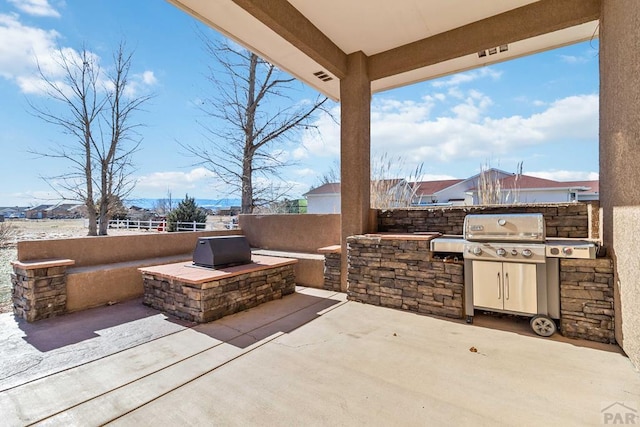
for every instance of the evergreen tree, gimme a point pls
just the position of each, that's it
(187, 211)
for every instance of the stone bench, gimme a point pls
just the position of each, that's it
(332, 261)
(308, 270)
(39, 288)
(52, 287)
(201, 294)
(101, 284)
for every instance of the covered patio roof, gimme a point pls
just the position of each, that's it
(406, 41)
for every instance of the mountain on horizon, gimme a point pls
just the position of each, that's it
(204, 203)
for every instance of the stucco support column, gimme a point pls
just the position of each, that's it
(355, 143)
(620, 161)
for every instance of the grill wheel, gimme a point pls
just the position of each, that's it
(543, 325)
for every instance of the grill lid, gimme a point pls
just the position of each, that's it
(505, 228)
(222, 251)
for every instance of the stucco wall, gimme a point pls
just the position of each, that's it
(87, 251)
(291, 232)
(619, 160)
(106, 268)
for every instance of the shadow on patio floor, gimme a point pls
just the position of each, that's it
(246, 328)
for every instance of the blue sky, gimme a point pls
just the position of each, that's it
(541, 110)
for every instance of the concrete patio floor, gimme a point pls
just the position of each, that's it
(311, 358)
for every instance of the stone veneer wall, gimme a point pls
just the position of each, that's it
(332, 263)
(212, 300)
(39, 291)
(400, 273)
(579, 220)
(586, 299)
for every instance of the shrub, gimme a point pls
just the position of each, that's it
(7, 232)
(187, 211)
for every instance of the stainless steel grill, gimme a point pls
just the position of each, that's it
(511, 267)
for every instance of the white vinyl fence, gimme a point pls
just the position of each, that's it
(159, 225)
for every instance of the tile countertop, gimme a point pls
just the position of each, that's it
(404, 236)
(188, 273)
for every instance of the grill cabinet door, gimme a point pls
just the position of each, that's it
(520, 292)
(487, 285)
(506, 286)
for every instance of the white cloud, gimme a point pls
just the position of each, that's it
(158, 183)
(149, 78)
(406, 129)
(322, 139)
(24, 48)
(35, 7)
(21, 45)
(564, 175)
(468, 77)
(140, 83)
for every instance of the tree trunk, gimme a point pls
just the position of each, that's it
(247, 186)
(93, 218)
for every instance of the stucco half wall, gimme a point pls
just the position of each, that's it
(291, 232)
(106, 267)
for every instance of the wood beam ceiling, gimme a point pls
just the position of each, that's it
(290, 24)
(535, 19)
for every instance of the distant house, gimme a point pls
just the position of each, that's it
(508, 188)
(324, 199)
(137, 213)
(384, 192)
(13, 212)
(62, 211)
(452, 191)
(38, 212)
(530, 189)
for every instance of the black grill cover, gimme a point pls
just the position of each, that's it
(221, 251)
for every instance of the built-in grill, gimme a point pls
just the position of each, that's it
(222, 251)
(511, 267)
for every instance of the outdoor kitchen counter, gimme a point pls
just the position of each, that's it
(199, 277)
(399, 270)
(201, 294)
(405, 236)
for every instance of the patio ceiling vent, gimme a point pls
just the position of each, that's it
(322, 75)
(493, 50)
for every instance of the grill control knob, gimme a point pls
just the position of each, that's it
(477, 250)
(514, 252)
(567, 251)
(501, 252)
(502, 222)
(527, 253)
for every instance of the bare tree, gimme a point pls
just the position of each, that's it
(164, 206)
(96, 114)
(389, 191)
(390, 185)
(250, 112)
(331, 176)
(490, 186)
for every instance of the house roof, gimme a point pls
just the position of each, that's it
(405, 41)
(427, 188)
(63, 206)
(594, 186)
(330, 188)
(334, 187)
(40, 208)
(533, 182)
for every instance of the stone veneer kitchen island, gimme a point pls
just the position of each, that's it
(201, 294)
(400, 271)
